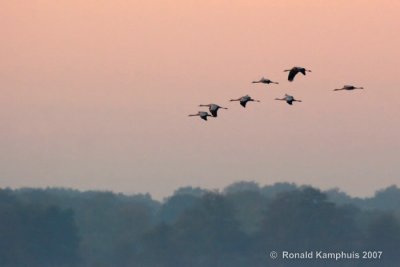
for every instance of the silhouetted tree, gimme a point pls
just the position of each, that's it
(249, 207)
(32, 235)
(384, 235)
(305, 220)
(272, 191)
(194, 227)
(242, 186)
(175, 206)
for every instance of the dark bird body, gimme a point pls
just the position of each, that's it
(348, 88)
(264, 81)
(293, 72)
(213, 108)
(289, 99)
(202, 114)
(244, 100)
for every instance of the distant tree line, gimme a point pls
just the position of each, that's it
(195, 227)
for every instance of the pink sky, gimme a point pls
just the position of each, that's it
(95, 94)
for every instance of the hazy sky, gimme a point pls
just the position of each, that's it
(95, 94)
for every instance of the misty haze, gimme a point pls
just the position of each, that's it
(238, 226)
(207, 133)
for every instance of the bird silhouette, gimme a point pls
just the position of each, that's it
(244, 100)
(265, 81)
(348, 87)
(293, 72)
(201, 114)
(213, 108)
(289, 99)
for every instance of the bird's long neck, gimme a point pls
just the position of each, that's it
(235, 99)
(204, 105)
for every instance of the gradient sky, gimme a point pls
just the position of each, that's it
(95, 94)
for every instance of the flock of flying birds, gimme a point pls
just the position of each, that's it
(213, 108)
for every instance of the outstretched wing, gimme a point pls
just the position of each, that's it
(214, 112)
(303, 71)
(243, 103)
(292, 74)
